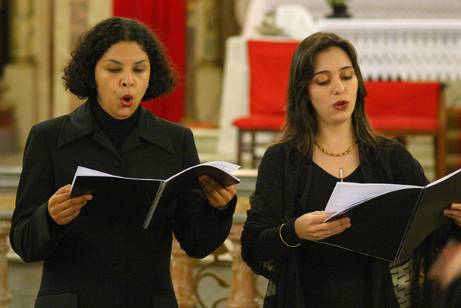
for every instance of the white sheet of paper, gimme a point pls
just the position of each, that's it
(83, 171)
(225, 166)
(347, 194)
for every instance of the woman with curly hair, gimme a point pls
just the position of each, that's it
(327, 139)
(107, 261)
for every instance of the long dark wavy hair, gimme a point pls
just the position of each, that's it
(79, 75)
(301, 121)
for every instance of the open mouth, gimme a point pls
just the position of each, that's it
(127, 100)
(340, 105)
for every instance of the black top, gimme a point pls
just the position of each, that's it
(101, 262)
(116, 130)
(330, 274)
(285, 181)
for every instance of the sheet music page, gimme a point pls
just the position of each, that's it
(225, 166)
(83, 171)
(346, 194)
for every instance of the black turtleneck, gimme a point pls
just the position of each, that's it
(116, 130)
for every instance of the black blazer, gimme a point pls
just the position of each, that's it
(107, 262)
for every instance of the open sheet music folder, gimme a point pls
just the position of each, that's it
(134, 200)
(390, 225)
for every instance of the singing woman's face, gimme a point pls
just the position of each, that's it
(122, 78)
(333, 88)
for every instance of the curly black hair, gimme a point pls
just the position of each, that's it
(79, 76)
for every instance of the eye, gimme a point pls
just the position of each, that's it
(347, 75)
(138, 70)
(114, 70)
(322, 82)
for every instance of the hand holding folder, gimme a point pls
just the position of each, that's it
(390, 221)
(136, 199)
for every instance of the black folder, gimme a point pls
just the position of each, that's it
(392, 225)
(134, 200)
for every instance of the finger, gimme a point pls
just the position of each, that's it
(60, 196)
(339, 229)
(71, 202)
(69, 213)
(64, 189)
(326, 226)
(328, 229)
(215, 199)
(67, 219)
(209, 182)
(207, 189)
(334, 229)
(318, 217)
(214, 191)
(455, 206)
(452, 213)
(231, 190)
(66, 206)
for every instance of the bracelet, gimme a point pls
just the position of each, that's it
(283, 241)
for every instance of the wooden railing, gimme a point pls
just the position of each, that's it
(242, 293)
(7, 199)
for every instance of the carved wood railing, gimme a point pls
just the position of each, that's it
(5, 295)
(181, 274)
(243, 287)
(6, 205)
(242, 293)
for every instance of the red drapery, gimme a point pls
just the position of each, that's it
(167, 18)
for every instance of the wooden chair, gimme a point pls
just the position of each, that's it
(400, 109)
(269, 66)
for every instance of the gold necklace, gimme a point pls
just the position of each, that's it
(325, 151)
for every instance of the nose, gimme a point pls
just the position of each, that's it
(127, 80)
(338, 87)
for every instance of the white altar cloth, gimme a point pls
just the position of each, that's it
(410, 49)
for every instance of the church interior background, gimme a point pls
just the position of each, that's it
(206, 40)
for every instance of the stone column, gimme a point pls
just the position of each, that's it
(181, 274)
(5, 295)
(243, 286)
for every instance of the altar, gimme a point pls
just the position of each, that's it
(388, 49)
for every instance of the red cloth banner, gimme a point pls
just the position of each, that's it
(167, 18)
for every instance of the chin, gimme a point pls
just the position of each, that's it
(342, 120)
(121, 116)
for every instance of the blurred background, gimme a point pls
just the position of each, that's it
(414, 44)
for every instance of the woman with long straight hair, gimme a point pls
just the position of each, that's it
(326, 139)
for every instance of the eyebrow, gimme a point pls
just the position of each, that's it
(117, 62)
(326, 71)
